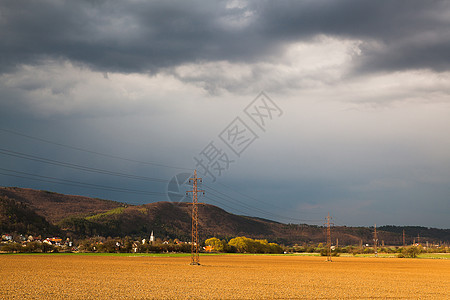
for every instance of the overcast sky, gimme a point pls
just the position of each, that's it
(112, 99)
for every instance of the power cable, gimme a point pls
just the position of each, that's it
(255, 199)
(119, 174)
(247, 207)
(78, 183)
(244, 215)
(91, 151)
(261, 210)
(270, 214)
(76, 166)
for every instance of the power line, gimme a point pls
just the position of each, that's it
(119, 174)
(78, 183)
(338, 222)
(76, 166)
(246, 206)
(245, 214)
(211, 197)
(247, 196)
(216, 194)
(124, 175)
(266, 213)
(101, 171)
(253, 209)
(224, 205)
(253, 198)
(93, 152)
(247, 219)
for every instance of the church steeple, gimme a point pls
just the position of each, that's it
(152, 238)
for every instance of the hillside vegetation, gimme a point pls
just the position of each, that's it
(18, 217)
(28, 211)
(55, 207)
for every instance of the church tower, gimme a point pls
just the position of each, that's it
(152, 238)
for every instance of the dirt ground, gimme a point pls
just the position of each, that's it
(221, 277)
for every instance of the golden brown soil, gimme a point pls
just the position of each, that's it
(221, 277)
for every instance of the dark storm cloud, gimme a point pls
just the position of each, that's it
(396, 34)
(116, 36)
(141, 36)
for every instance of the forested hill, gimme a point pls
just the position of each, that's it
(17, 217)
(43, 212)
(55, 207)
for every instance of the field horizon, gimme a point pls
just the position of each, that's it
(203, 254)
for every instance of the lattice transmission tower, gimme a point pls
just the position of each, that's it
(194, 236)
(375, 241)
(328, 223)
(404, 238)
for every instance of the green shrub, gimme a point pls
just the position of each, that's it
(324, 252)
(409, 252)
(247, 245)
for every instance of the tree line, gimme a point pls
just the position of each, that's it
(243, 244)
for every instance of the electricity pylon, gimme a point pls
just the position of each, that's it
(375, 241)
(328, 218)
(194, 236)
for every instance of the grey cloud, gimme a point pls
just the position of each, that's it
(148, 36)
(124, 37)
(408, 55)
(333, 149)
(397, 35)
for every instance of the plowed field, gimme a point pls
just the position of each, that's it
(221, 277)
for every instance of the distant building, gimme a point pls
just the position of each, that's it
(7, 237)
(53, 241)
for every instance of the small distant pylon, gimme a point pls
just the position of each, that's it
(328, 223)
(375, 241)
(404, 244)
(195, 260)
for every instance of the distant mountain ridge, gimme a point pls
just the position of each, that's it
(82, 217)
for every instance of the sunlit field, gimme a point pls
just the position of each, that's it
(221, 277)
